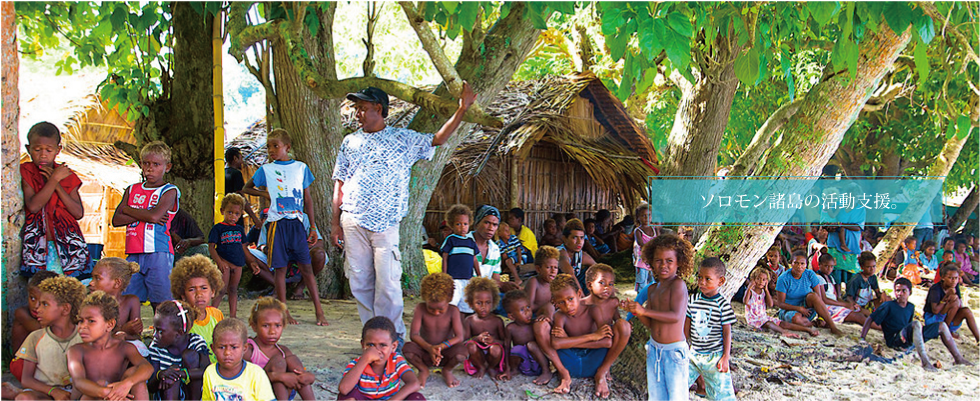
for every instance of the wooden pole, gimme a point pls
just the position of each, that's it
(219, 119)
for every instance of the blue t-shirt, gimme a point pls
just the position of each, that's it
(796, 289)
(285, 182)
(851, 238)
(228, 242)
(461, 252)
(892, 318)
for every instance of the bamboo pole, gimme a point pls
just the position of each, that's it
(219, 118)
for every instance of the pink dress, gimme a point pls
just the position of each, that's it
(638, 250)
(755, 310)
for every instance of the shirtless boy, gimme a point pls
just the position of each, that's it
(437, 331)
(538, 288)
(525, 355)
(601, 281)
(580, 341)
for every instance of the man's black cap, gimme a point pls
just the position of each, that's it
(373, 95)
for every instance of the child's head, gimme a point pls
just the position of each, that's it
(668, 255)
(602, 216)
(43, 143)
(546, 262)
(643, 215)
(483, 295)
(759, 278)
(228, 343)
(948, 256)
(195, 280)
(437, 291)
(232, 207)
(518, 307)
(379, 333)
(565, 294)
(34, 293)
(112, 275)
(98, 316)
(515, 219)
(867, 261)
(589, 227)
(928, 247)
(827, 263)
(560, 220)
(601, 280)
(711, 276)
(278, 144)
(458, 218)
(551, 227)
(59, 297)
(268, 319)
(798, 263)
(903, 289)
(949, 275)
(155, 161)
(574, 235)
(233, 156)
(172, 321)
(504, 232)
(909, 243)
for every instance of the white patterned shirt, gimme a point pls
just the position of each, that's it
(376, 169)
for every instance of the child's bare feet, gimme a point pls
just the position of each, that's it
(601, 386)
(544, 378)
(423, 376)
(321, 320)
(9, 391)
(289, 318)
(480, 371)
(929, 367)
(451, 381)
(813, 332)
(792, 335)
(566, 384)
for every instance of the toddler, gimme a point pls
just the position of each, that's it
(437, 331)
(459, 252)
(285, 370)
(485, 331)
(179, 357)
(642, 234)
(226, 244)
(232, 378)
(601, 280)
(195, 279)
(525, 356)
(757, 300)
(380, 373)
(112, 275)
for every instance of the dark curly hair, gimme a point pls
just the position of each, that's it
(513, 296)
(172, 313)
(478, 284)
(594, 271)
(682, 248)
(194, 267)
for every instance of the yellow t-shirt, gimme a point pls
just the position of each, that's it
(205, 327)
(250, 384)
(528, 239)
(48, 352)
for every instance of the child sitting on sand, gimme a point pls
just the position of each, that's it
(708, 326)
(25, 319)
(863, 287)
(380, 373)
(232, 378)
(580, 341)
(943, 302)
(902, 332)
(839, 309)
(485, 331)
(525, 355)
(112, 275)
(195, 280)
(601, 280)
(437, 331)
(285, 370)
(757, 300)
(104, 367)
(179, 357)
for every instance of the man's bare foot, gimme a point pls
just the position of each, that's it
(545, 377)
(601, 386)
(321, 320)
(451, 381)
(565, 386)
(963, 361)
(423, 376)
(929, 367)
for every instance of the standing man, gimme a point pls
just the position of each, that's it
(372, 173)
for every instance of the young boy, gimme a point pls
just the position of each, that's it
(576, 339)
(146, 209)
(46, 374)
(670, 258)
(25, 318)
(601, 280)
(226, 244)
(51, 237)
(551, 231)
(863, 287)
(943, 303)
(459, 254)
(380, 373)
(902, 332)
(525, 355)
(232, 378)
(538, 288)
(437, 331)
(510, 250)
(708, 326)
(286, 183)
(573, 260)
(102, 366)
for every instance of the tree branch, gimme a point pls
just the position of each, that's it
(930, 10)
(760, 142)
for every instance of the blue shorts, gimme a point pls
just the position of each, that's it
(787, 315)
(152, 283)
(718, 384)
(667, 370)
(931, 318)
(582, 362)
(286, 242)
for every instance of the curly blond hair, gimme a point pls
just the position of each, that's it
(232, 199)
(546, 252)
(107, 304)
(478, 284)
(156, 148)
(66, 290)
(265, 303)
(457, 210)
(563, 281)
(230, 324)
(682, 249)
(119, 269)
(594, 271)
(437, 287)
(194, 267)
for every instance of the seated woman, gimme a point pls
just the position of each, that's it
(798, 298)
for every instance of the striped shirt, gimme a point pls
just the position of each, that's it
(510, 247)
(708, 315)
(385, 385)
(490, 264)
(461, 251)
(165, 359)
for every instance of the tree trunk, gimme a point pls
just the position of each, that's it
(810, 138)
(12, 201)
(968, 207)
(506, 45)
(314, 124)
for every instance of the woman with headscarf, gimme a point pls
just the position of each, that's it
(487, 220)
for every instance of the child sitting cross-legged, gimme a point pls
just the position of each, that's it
(232, 378)
(757, 300)
(708, 326)
(485, 331)
(179, 357)
(380, 373)
(525, 355)
(285, 370)
(580, 340)
(104, 367)
(195, 280)
(437, 331)
(45, 374)
(25, 319)
(601, 280)
(111, 275)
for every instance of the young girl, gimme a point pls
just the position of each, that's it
(911, 264)
(928, 257)
(226, 244)
(285, 370)
(103, 366)
(111, 275)
(195, 280)
(757, 300)
(25, 319)
(178, 356)
(641, 234)
(485, 331)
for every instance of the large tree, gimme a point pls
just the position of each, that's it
(12, 198)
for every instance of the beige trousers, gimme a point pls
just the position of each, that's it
(373, 266)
